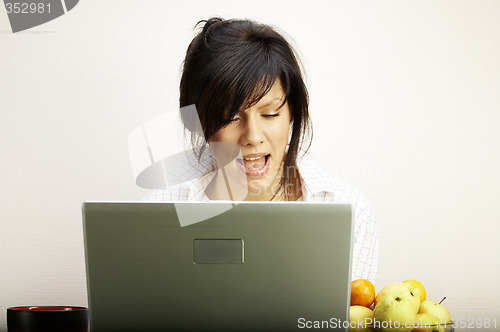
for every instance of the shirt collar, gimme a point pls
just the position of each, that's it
(313, 178)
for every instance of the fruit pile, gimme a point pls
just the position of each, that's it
(397, 307)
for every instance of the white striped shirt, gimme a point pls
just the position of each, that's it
(317, 186)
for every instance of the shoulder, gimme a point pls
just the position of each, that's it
(317, 184)
(176, 192)
(346, 192)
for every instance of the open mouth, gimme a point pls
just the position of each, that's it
(254, 166)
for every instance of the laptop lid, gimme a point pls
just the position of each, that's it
(258, 266)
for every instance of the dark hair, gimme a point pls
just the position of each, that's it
(230, 65)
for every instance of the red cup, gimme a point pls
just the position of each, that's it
(45, 319)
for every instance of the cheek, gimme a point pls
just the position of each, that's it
(280, 136)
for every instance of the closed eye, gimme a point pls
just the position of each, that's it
(271, 115)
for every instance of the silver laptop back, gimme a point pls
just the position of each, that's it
(256, 267)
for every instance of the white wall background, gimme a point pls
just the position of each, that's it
(404, 97)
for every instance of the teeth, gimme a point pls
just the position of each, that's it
(254, 158)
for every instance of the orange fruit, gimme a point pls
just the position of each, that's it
(418, 288)
(362, 292)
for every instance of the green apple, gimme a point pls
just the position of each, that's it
(396, 311)
(359, 316)
(427, 323)
(399, 288)
(433, 308)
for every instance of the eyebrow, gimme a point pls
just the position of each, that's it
(270, 102)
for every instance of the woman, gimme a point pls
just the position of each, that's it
(252, 104)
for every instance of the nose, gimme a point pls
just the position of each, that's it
(252, 133)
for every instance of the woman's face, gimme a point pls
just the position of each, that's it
(261, 133)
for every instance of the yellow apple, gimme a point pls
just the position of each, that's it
(359, 316)
(418, 288)
(396, 311)
(433, 308)
(399, 288)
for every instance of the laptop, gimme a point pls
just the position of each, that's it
(257, 266)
